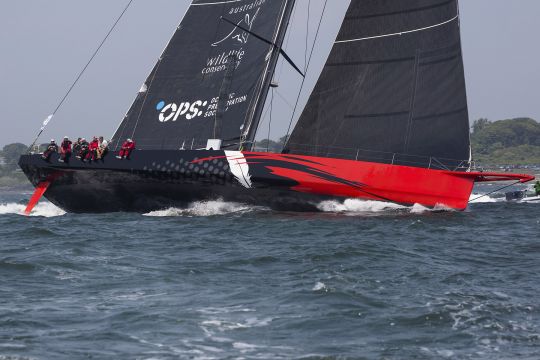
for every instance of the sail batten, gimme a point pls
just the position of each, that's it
(400, 33)
(393, 83)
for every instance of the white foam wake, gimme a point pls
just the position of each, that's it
(420, 209)
(204, 208)
(43, 209)
(480, 199)
(358, 206)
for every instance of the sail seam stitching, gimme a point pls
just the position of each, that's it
(399, 33)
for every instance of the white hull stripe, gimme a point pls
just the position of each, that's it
(239, 168)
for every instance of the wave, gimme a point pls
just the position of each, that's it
(346, 207)
(206, 208)
(220, 207)
(43, 209)
(358, 206)
(320, 286)
(482, 199)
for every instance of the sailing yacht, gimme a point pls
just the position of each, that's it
(387, 119)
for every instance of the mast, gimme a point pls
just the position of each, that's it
(255, 115)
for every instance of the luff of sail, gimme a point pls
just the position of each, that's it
(393, 85)
(178, 107)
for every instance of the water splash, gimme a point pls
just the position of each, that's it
(43, 209)
(358, 206)
(420, 209)
(477, 199)
(319, 286)
(205, 208)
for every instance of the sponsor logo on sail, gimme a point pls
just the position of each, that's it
(219, 63)
(234, 38)
(246, 7)
(172, 112)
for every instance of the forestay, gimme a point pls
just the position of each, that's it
(176, 107)
(393, 88)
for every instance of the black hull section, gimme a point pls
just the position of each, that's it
(156, 180)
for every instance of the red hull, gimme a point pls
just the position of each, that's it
(376, 181)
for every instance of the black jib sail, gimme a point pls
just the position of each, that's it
(178, 104)
(393, 88)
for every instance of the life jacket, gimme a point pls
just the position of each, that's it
(94, 145)
(128, 145)
(66, 146)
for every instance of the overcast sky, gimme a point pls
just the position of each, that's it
(44, 44)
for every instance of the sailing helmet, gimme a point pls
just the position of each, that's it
(52, 140)
(66, 138)
(129, 140)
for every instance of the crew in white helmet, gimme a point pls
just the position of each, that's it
(65, 150)
(127, 147)
(51, 149)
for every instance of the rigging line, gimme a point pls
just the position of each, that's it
(285, 100)
(307, 36)
(304, 78)
(399, 33)
(84, 69)
(270, 122)
(145, 98)
(494, 191)
(125, 120)
(286, 45)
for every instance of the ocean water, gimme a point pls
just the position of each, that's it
(216, 280)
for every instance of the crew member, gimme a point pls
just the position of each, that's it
(92, 149)
(83, 152)
(127, 147)
(65, 150)
(51, 148)
(537, 188)
(77, 147)
(102, 148)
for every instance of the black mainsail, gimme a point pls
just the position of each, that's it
(393, 84)
(178, 103)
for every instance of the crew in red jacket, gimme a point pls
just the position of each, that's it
(65, 150)
(127, 147)
(93, 147)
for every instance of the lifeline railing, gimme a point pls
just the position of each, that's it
(358, 154)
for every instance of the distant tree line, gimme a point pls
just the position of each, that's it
(511, 142)
(508, 142)
(271, 145)
(10, 155)
(9, 159)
